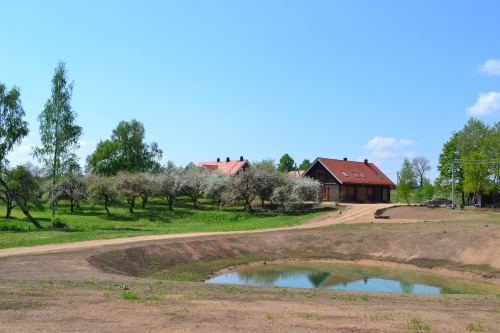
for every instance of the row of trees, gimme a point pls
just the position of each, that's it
(121, 163)
(262, 180)
(472, 157)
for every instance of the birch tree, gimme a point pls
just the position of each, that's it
(59, 134)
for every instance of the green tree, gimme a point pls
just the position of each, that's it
(286, 163)
(12, 130)
(477, 175)
(448, 168)
(125, 151)
(59, 134)
(427, 189)
(305, 164)
(406, 180)
(22, 185)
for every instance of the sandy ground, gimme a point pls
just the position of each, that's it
(56, 288)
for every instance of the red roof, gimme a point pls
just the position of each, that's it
(231, 167)
(351, 172)
(297, 173)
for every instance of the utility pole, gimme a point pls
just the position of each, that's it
(397, 183)
(453, 184)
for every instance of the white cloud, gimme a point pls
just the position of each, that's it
(490, 67)
(486, 104)
(21, 153)
(379, 143)
(410, 155)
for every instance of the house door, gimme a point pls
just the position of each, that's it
(326, 191)
(385, 194)
(362, 194)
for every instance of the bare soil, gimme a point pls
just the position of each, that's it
(82, 287)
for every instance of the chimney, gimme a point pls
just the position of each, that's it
(227, 159)
(366, 161)
(241, 158)
(218, 160)
(345, 158)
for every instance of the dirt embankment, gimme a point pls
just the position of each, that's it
(459, 246)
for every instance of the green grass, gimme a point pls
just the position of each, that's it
(91, 223)
(417, 325)
(475, 327)
(129, 295)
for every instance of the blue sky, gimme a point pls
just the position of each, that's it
(357, 79)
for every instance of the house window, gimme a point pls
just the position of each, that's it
(320, 175)
(350, 190)
(362, 175)
(355, 174)
(345, 174)
(379, 176)
(370, 191)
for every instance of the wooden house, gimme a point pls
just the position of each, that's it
(356, 181)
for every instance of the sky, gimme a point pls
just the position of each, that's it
(380, 80)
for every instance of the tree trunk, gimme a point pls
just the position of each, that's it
(170, 201)
(131, 204)
(106, 206)
(9, 210)
(144, 200)
(194, 201)
(71, 205)
(53, 200)
(19, 203)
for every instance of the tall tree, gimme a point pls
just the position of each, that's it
(450, 167)
(477, 175)
(406, 180)
(58, 132)
(419, 166)
(125, 151)
(286, 164)
(12, 130)
(305, 164)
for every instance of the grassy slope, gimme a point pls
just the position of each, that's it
(89, 223)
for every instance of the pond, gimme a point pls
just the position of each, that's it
(354, 277)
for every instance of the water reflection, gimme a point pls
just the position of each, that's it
(352, 277)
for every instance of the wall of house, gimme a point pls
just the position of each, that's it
(374, 193)
(328, 177)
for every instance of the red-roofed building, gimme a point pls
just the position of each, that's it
(296, 173)
(231, 167)
(359, 181)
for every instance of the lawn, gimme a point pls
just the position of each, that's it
(91, 222)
